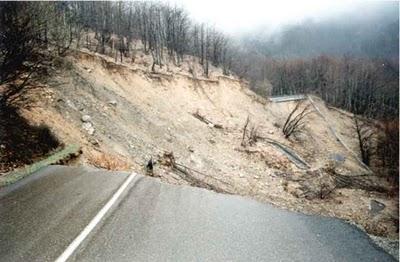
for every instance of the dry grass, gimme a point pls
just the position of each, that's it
(107, 161)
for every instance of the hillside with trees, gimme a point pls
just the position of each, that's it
(298, 59)
(354, 56)
(350, 61)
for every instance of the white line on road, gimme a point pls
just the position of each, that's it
(86, 231)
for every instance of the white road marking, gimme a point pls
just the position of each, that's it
(92, 224)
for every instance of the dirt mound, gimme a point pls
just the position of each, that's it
(122, 115)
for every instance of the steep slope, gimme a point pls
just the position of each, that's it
(122, 115)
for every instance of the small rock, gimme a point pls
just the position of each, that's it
(2, 146)
(88, 127)
(89, 70)
(94, 142)
(190, 149)
(86, 118)
(256, 177)
(71, 104)
(211, 141)
(270, 132)
(210, 125)
(113, 102)
(375, 207)
(338, 158)
(241, 175)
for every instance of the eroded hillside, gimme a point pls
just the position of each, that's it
(122, 115)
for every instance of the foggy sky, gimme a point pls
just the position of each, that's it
(237, 16)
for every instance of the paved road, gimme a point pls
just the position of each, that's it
(152, 221)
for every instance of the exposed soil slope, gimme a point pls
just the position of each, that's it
(135, 115)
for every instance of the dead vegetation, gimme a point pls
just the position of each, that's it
(295, 120)
(317, 185)
(388, 151)
(321, 183)
(206, 121)
(365, 137)
(108, 161)
(364, 182)
(167, 159)
(250, 134)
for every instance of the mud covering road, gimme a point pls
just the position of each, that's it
(153, 221)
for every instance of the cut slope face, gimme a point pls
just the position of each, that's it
(123, 115)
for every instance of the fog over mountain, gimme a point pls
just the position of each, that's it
(368, 31)
(304, 29)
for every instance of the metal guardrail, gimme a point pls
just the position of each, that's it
(338, 139)
(291, 155)
(279, 99)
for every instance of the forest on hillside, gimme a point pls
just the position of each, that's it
(355, 69)
(165, 32)
(350, 60)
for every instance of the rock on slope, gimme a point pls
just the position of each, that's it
(123, 115)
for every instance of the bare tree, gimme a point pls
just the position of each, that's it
(365, 139)
(245, 131)
(250, 134)
(388, 148)
(61, 30)
(19, 44)
(295, 120)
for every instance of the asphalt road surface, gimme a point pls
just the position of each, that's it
(150, 221)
